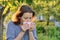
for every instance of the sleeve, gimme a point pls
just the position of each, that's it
(10, 34)
(34, 34)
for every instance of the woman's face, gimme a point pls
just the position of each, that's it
(27, 17)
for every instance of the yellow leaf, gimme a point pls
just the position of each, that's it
(5, 10)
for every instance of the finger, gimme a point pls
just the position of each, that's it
(23, 28)
(32, 26)
(26, 26)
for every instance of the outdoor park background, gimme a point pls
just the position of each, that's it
(47, 16)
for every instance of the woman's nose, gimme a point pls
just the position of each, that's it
(28, 20)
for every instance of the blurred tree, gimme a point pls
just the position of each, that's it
(41, 7)
(47, 8)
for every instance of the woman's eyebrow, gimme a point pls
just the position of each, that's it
(25, 17)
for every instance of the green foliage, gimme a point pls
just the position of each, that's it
(29, 2)
(41, 7)
(47, 32)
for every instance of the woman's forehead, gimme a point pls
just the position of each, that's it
(27, 14)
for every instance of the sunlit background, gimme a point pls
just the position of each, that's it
(47, 16)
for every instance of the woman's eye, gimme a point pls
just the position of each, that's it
(30, 18)
(26, 18)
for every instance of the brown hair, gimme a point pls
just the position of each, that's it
(20, 12)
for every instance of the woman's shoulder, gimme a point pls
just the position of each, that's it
(10, 23)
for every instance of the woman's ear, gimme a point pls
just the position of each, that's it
(33, 19)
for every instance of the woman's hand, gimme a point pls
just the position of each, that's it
(32, 26)
(31, 36)
(25, 27)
